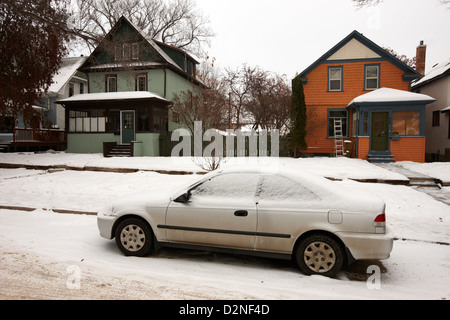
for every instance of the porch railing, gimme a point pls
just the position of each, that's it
(39, 137)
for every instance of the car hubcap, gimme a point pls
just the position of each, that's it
(319, 257)
(132, 238)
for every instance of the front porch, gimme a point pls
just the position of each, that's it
(130, 122)
(389, 125)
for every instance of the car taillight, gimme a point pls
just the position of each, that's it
(380, 218)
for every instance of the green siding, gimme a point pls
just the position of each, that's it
(89, 142)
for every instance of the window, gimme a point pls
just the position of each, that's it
(135, 51)
(127, 51)
(141, 82)
(335, 116)
(81, 88)
(111, 83)
(175, 117)
(436, 118)
(284, 190)
(372, 77)
(71, 89)
(143, 119)
(87, 120)
(406, 123)
(228, 185)
(335, 79)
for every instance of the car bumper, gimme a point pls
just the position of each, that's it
(105, 225)
(365, 246)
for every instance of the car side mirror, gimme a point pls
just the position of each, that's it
(184, 198)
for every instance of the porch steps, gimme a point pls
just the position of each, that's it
(388, 158)
(120, 150)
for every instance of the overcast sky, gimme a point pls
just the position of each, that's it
(286, 36)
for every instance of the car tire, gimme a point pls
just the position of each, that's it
(134, 237)
(319, 254)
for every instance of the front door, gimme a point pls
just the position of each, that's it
(380, 131)
(127, 129)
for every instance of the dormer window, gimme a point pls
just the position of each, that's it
(127, 51)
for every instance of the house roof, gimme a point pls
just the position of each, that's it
(392, 96)
(377, 53)
(156, 45)
(114, 96)
(438, 71)
(67, 70)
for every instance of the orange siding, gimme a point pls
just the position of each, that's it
(409, 149)
(363, 148)
(318, 99)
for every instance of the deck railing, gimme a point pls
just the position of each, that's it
(39, 136)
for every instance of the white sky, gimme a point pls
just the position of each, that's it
(286, 36)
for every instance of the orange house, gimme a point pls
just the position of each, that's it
(354, 67)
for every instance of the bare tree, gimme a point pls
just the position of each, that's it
(176, 22)
(237, 82)
(364, 3)
(270, 100)
(206, 103)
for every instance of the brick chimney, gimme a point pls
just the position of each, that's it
(421, 52)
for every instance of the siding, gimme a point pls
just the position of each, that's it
(409, 149)
(318, 99)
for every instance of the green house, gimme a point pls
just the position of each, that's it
(131, 81)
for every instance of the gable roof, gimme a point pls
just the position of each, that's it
(373, 52)
(69, 67)
(166, 60)
(438, 71)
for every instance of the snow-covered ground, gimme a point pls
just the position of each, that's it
(47, 255)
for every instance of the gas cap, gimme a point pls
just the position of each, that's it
(334, 216)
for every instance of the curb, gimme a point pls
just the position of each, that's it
(62, 211)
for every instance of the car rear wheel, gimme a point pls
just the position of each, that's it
(319, 254)
(134, 237)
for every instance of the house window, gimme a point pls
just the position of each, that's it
(111, 83)
(334, 117)
(126, 51)
(372, 77)
(436, 118)
(175, 117)
(141, 82)
(335, 79)
(406, 123)
(87, 121)
(81, 88)
(135, 51)
(71, 89)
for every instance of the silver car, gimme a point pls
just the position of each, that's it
(282, 214)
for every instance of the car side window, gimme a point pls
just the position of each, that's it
(284, 190)
(228, 185)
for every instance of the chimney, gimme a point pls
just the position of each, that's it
(421, 52)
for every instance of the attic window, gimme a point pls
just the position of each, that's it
(127, 51)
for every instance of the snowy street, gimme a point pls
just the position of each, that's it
(50, 255)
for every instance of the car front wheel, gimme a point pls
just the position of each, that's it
(134, 237)
(319, 254)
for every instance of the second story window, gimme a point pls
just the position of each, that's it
(141, 82)
(111, 83)
(126, 51)
(372, 77)
(335, 79)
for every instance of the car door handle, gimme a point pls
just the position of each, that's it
(241, 213)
